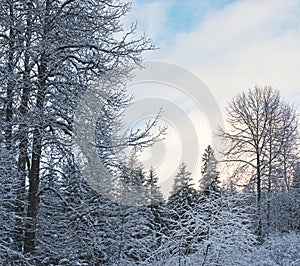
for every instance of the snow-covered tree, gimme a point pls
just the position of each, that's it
(182, 181)
(9, 233)
(207, 230)
(210, 181)
(135, 236)
(155, 196)
(261, 126)
(229, 239)
(51, 52)
(132, 185)
(178, 223)
(278, 249)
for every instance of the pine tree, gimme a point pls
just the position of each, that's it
(132, 185)
(156, 208)
(136, 236)
(178, 221)
(182, 181)
(155, 196)
(210, 181)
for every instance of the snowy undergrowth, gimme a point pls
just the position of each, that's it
(278, 249)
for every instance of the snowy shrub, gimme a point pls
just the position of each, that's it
(278, 249)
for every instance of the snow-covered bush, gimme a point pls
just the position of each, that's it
(278, 249)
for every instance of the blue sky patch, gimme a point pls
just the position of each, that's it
(184, 16)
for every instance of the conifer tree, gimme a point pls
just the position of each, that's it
(178, 220)
(155, 195)
(210, 181)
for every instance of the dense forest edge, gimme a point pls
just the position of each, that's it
(244, 209)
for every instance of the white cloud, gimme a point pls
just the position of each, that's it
(245, 43)
(150, 17)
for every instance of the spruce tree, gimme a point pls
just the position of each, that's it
(155, 195)
(210, 181)
(178, 220)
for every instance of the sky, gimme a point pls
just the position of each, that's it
(230, 46)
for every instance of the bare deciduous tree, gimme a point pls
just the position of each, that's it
(261, 127)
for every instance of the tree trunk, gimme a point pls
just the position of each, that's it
(33, 196)
(270, 172)
(23, 160)
(10, 83)
(258, 187)
(34, 174)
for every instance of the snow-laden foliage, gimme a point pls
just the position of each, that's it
(51, 52)
(210, 180)
(205, 229)
(278, 249)
(230, 238)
